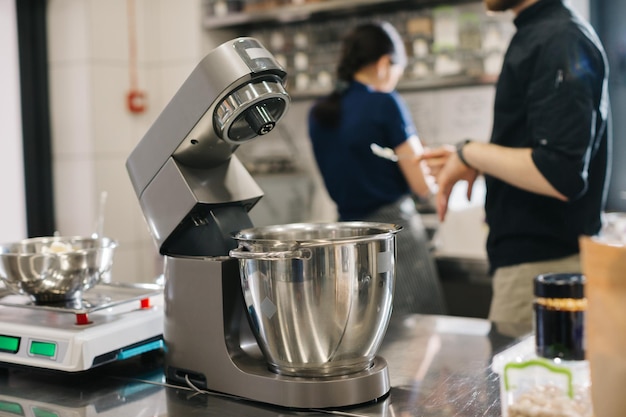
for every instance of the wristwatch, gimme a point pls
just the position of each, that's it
(459, 151)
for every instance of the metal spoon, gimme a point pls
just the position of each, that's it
(99, 229)
(388, 153)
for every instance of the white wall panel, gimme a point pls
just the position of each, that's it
(13, 212)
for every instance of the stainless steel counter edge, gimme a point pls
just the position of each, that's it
(439, 366)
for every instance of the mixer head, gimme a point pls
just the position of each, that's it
(193, 191)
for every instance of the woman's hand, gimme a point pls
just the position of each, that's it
(436, 158)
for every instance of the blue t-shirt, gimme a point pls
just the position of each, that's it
(358, 181)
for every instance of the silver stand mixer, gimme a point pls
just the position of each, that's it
(195, 194)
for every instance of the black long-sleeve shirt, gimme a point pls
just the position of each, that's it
(551, 96)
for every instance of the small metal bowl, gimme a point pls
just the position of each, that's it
(56, 269)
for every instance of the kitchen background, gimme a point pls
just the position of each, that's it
(99, 50)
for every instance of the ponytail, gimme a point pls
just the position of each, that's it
(364, 45)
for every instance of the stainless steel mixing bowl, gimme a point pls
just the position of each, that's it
(54, 269)
(318, 295)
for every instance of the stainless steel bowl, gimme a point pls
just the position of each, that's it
(319, 296)
(54, 269)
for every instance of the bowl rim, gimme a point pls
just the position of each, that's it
(380, 230)
(6, 248)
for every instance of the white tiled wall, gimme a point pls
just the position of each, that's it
(448, 116)
(93, 132)
(13, 219)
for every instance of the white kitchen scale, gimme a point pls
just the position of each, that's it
(110, 322)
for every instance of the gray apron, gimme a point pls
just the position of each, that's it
(418, 289)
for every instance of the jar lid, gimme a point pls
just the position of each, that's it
(560, 285)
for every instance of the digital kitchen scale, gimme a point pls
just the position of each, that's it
(110, 322)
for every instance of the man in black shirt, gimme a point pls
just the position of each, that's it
(546, 166)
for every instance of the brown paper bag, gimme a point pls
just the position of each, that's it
(604, 267)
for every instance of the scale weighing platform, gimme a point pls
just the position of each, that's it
(110, 322)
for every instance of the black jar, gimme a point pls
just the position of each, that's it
(560, 306)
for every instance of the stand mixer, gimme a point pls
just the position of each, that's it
(194, 194)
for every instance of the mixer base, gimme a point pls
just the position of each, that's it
(294, 392)
(209, 343)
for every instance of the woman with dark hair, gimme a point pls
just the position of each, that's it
(365, 109)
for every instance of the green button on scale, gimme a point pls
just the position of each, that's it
(9, 344)
(43, 348)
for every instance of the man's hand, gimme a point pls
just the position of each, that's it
(444, 164)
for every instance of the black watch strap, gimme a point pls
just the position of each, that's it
(459, 151)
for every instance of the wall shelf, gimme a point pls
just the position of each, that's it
(304, 12)
(426, 84)
(450, 43)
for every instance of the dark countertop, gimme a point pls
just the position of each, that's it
(439, 366)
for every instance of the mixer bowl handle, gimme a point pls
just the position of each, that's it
(241, 253)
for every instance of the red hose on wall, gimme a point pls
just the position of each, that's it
(135, 98)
